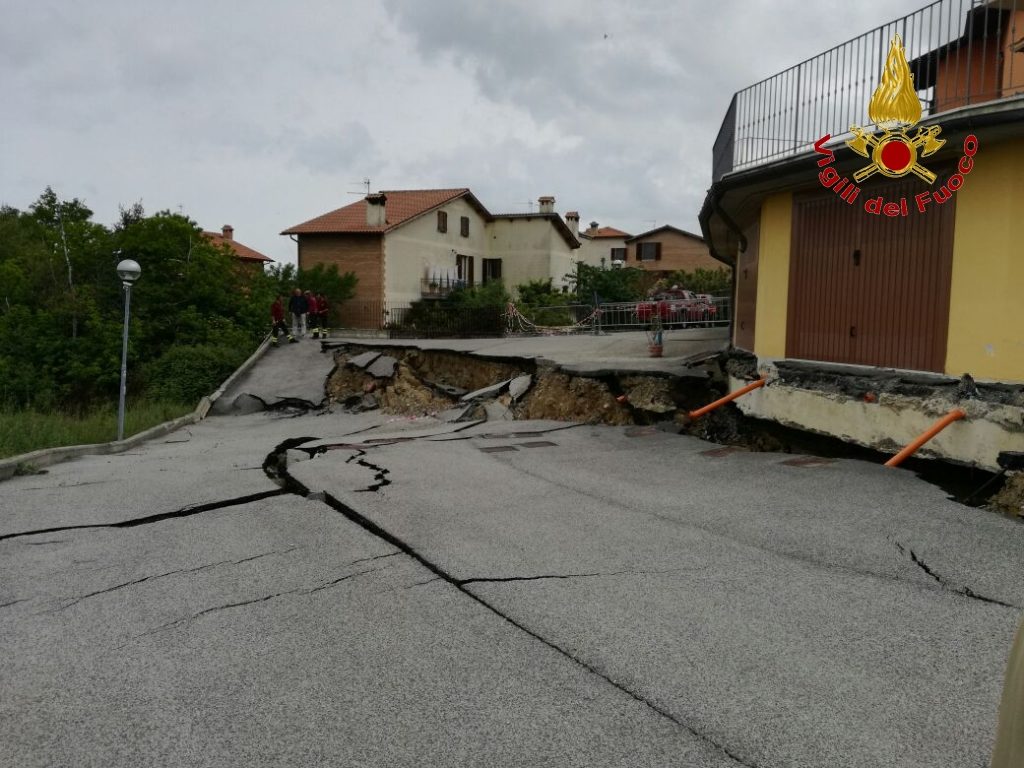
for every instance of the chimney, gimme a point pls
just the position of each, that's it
(572, 218)
(375, 213)
(227, 232)
(593, 228)
(546, 204)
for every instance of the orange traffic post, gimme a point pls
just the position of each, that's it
(955, 415)
(727, 399)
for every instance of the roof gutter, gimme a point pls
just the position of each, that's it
(711, 207)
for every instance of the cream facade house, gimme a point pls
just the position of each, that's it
(602, 246)
(410, 245)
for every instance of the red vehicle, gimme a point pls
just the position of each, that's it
(678, 307)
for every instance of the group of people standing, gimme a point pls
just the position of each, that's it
(308, 311)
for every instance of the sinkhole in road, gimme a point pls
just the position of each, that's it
(457, 386)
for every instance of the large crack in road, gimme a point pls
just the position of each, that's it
(175, 514)
(276, 466)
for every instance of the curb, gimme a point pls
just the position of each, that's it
(44, 457)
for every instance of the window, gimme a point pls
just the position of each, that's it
(442, 221)
(492, 270)
(619, 254)
(648, 251)
(464, 268)
(465, 226)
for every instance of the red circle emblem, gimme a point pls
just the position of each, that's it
(896, 155)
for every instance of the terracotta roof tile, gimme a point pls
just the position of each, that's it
(609, 232)
(242, 252)
(664, 228)
(401, 206)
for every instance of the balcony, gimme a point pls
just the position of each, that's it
(439, 287)
(961, 53)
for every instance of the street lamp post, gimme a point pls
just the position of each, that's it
(129, 271)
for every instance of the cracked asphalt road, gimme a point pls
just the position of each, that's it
(589, 596)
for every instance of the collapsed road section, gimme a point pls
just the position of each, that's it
(836, 412)
(409, 382)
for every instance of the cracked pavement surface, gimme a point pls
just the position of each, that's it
(593, 596)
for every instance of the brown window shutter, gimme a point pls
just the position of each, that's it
(657, 251)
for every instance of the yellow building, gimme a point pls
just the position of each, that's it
(877, 232)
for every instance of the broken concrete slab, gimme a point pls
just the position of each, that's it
(455, 415)
(383, 367)
(242, 405)
(363, 360)
(519, 386)
(492, 391)
(498, 412)
(446, 389)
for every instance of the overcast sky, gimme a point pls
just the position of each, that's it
(263, 114)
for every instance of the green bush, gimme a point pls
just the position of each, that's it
(184, 374)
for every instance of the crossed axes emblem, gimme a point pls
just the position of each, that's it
(878, 148)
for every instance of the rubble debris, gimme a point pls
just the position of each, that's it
(363, 360)
(649, 393)
(383, 367)
(245, 404)
(572, 398)
(486, 392)
(885, 383)
(1010, 498)
(457, 415)
(519, 386)
(405, 394)
(1011, 460)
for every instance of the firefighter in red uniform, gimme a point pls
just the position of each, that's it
(323, 307)
(313, 315)
(277, 318)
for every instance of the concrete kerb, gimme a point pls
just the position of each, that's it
(27, 462)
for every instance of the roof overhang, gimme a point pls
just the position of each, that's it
(734, 202)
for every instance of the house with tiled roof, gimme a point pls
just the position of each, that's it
(602, 246)
(248, 258)
(667, 249)
(408, 245)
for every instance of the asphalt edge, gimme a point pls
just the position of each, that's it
(28, 462)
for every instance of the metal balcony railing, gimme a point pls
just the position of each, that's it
(440, 287)
(961, 52)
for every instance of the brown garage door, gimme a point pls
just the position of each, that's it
(867, 289)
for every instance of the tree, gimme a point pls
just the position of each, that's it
(610, 285)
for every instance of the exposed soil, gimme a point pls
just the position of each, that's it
(429, 382)
(1010, 498)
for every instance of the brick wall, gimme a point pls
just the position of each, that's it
(677, 252)
(361, 254)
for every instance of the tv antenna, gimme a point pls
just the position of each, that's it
(529, 205)
(366, 183)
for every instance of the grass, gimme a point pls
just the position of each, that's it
(24, 431)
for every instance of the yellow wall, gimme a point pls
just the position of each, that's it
(773, 276)
(986, 310)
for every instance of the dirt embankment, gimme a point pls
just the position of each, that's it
(416, 382)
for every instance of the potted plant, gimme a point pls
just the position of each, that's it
(655, 345)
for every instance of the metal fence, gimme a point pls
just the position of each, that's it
(961, 52)
(432, 319)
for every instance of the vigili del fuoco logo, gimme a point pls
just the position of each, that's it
(894, 152)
